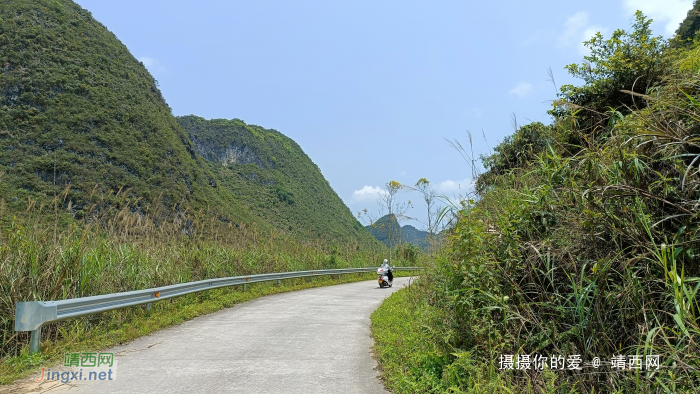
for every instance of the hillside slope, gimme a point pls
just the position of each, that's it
(687, 30)
(274, 178)
(407, 233)
(83, 121)
(76, 108)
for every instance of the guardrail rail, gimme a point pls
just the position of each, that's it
(32, 315)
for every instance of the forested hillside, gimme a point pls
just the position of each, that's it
(401, 234)
(580, 242)
(103, 191)
(79, 114)
(271, 175)
(690, 26)
(83, 120)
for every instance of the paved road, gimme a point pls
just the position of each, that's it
(309, 341)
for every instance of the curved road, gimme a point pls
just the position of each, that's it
(308, 341)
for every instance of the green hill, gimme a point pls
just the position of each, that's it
(407, 233)
(274, 178)
(82, 120)
(687, 30)
(78, 110)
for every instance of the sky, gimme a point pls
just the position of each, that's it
(372, 90)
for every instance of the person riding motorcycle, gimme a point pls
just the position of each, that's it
(389, 274)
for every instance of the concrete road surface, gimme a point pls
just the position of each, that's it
(308, 341)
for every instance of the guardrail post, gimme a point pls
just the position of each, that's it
(245, 286)
(278, 282)
(35, 341)
(338, 276)
(148, 307)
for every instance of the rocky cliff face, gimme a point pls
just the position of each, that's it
(232, 154)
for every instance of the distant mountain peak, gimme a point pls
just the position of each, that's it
(406, 233)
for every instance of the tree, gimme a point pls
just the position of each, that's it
(391, 208)
(632, 61)
(516, 151)
(395, 209)
(429, 194)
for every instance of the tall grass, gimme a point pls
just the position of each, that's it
(587, 244)
(45, 254)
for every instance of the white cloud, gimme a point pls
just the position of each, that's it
(367, 193)
(668, 12)
(148, 61)
(450, 186)
(578, 29)
(587, 34)
(521, 89)
(573, 28)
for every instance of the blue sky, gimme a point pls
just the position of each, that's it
(370, 89)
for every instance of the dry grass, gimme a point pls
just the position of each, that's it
(47, 255)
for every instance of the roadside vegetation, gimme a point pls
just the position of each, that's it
(123, 251)
(103, 190)
(95, 333)
(581, 238)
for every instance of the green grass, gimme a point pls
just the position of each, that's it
(412, 361)
(401, 347)
(86, 261)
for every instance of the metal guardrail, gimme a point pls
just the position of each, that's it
(32, 315)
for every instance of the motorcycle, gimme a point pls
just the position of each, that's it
(384, 272)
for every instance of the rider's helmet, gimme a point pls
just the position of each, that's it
(386, 261)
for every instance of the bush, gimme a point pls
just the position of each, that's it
(577, 246)
(635, 61)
